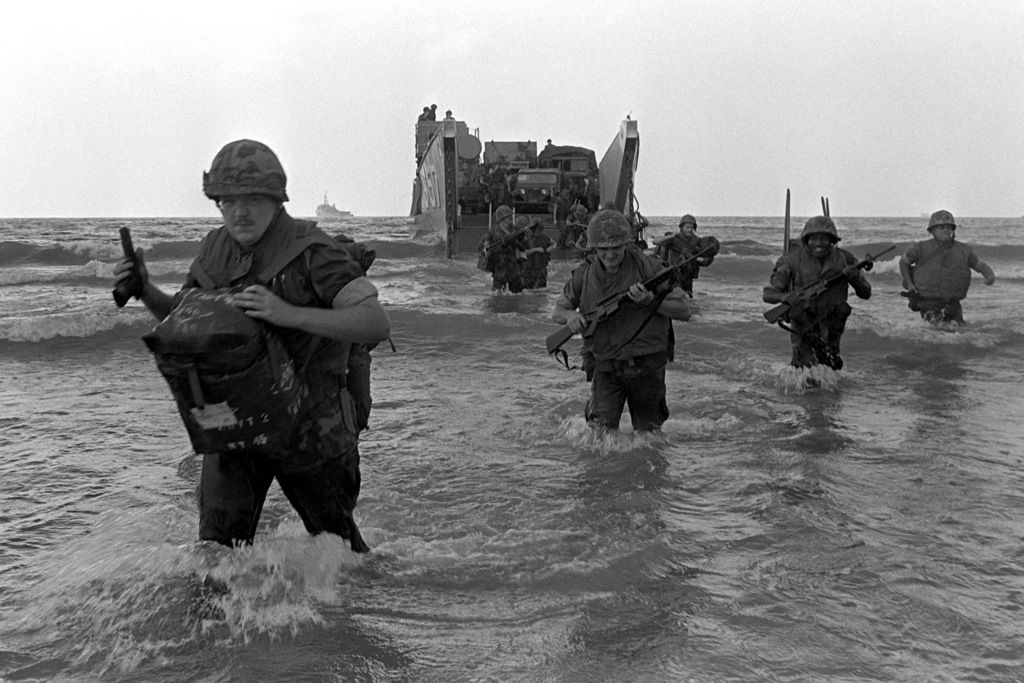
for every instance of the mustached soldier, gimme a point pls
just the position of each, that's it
(319, 293)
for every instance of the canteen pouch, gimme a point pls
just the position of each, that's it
(235, 385)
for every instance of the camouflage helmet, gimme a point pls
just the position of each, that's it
(245, 167)
(580, 210)
(941, 217)
(521, 222)
(608, 228)
(687, 218)
(502, 212)
(819, 224)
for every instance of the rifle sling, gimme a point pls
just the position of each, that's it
(563, 358)
(654, 309)
(658, 301)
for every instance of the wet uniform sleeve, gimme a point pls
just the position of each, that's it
(913, 254)
(569, 298)
(331, 268)
(972, 259)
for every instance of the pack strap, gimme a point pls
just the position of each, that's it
(296, 249)
(201, 276)
(290, 254)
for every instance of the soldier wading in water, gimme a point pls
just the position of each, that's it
(319, 304)
(625, 357)
(816, 326)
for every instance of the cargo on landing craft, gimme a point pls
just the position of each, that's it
(460, 181)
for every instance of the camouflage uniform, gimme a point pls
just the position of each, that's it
(320, 474)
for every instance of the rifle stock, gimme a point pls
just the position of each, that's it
(557, 338)
(809, 292)
(611, 305)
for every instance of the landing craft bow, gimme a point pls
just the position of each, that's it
(618, 166)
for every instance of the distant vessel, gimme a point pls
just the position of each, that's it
(329, 211)
(450, 196)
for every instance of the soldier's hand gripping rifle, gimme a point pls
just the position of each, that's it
(612, 304)
(808, 293)
(492, 248)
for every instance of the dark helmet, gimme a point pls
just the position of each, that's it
(608, 228)
(941, 217)
(245, 167)
(502, 212)
(688, 219)
(521, 222)
(820, 224)
(580, 210)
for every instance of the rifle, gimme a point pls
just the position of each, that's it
(785, 237)
(132, 286)
(492, 248)
(807, 293)
(612, 304)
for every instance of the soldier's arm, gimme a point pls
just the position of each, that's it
(986, 272)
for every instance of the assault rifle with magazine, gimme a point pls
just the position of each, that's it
(808, 293)
(612, 304)
(492, 248)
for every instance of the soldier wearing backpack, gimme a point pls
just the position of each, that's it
(307, 291)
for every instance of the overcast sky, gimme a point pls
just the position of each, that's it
(888, 108)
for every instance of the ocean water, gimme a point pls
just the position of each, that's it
(867, 529)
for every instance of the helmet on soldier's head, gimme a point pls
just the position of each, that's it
(521, 222)
(688, 219)
(941, 217)
(819, 224)
(502, 212)
(608, 228)
(580, 210)
(245, 167)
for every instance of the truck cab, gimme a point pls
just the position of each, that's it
(534, 189)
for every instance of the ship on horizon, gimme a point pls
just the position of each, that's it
(450, 190)
(328, 211)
